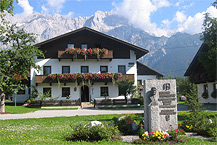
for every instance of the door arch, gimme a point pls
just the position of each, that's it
(85, 96)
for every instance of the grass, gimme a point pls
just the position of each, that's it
(53, 130)
(182, 115)
(9, 107)
(181, 102)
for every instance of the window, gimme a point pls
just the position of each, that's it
(65, 69)
(122, 69)
(205, 88)
(103, 69)
(47, 70)
(83, 46)
(47, 91)
(84, 69)
(104, 91)
(70, 46)
(21, 92)
(215, 87)
(65, 92)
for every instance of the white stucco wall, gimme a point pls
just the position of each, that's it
(94, 65)
(210, 99)
(75, 66)
(94, 90)
(20, 98)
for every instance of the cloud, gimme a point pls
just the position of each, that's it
(44, 9)
(139, 14)
(193, 25)
(70, 14)
(161, 3)
(180, 17)
(181, 4)
(27, 9)
(53, 6)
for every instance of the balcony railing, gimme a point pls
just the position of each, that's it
(63, 55)
(45, 79)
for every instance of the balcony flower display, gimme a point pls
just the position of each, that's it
(85, 76)
(87, 52)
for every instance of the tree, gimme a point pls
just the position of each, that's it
(209, 35)
(126, 87)
(17, 59)
(185, 86)
(7, 5)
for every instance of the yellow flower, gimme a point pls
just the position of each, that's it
(187, 126)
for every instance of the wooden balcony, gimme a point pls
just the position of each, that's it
(45, 79)
(63, 55)
(42, 79)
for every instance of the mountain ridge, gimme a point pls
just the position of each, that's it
(168, 55)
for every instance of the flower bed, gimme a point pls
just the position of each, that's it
(85, 76)
(86, 52)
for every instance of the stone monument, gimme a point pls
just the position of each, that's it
(160, 105)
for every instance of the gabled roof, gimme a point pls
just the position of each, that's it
(138, 50)
(195, 62)
(145, 70)
(196, 71)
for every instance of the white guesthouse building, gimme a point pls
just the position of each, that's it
(90, 67)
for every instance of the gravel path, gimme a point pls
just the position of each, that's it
(61, 113)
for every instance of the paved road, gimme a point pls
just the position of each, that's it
(83, 112)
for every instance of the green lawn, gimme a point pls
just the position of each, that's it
(181, 102)
(9, 107)
(53, 130)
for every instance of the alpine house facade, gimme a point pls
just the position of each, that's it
(206, 83)
(86, 64)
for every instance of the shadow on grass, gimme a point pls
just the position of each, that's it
(13, 104)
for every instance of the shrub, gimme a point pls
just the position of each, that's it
(95, 133)
(125, 124)
(174, 133)
(207, 127)
(141, 100)
(187, 126)
(203, 125)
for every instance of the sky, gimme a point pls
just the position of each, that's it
(157, 17)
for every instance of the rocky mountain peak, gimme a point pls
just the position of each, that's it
(177, 50)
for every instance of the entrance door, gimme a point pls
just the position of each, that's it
(85, 94)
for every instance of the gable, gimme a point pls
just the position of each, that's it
(196, 71)
(145, 70)
(93, 39)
